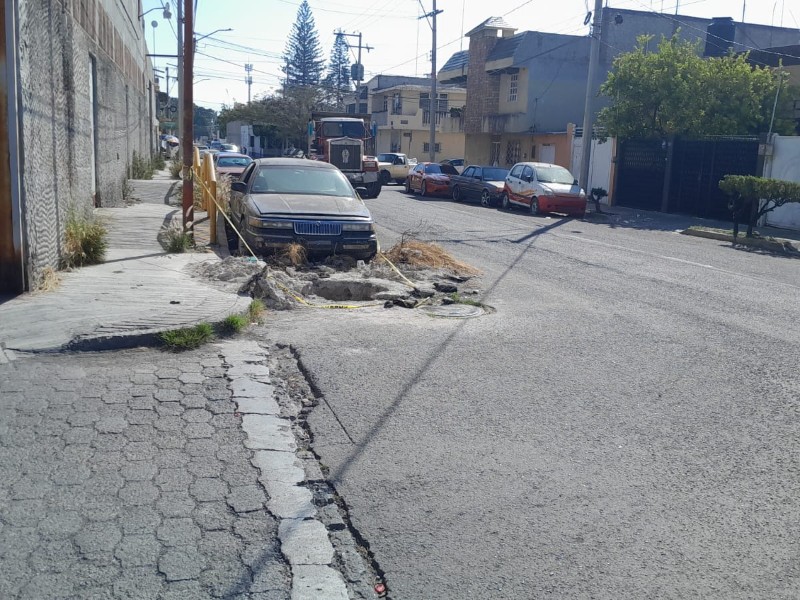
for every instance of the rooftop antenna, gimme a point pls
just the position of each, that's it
(461, 43)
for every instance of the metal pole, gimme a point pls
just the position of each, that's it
(358, 81)
(434, 103)
(588, 110)
(187, 137)
(179, 122)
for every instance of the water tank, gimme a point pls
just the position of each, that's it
(719, 36)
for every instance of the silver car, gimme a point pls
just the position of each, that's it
(278, 201)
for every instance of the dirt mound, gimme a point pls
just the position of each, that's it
(426, 255)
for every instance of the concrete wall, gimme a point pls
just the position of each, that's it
(601, 165)
(76, 152)
(784, 165)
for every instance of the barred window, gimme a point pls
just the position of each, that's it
(512, 87)
(426, 147)
(512, 152)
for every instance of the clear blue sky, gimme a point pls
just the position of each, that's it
(401, 41)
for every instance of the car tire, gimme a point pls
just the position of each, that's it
(423, 190)
(486, 198)
(534, 206)
(504, 202)
(408, 186)
(457, 193)
(386, 177)
(374, 189)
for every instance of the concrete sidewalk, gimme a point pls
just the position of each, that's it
(139, 291)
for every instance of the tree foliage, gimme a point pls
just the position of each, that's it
(753, 197)
(303, 55)
(337, 81)
(674, 91)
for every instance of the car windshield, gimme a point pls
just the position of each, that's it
(493, 174)
(336, 129)
(444, 169)
(301, 180)
(386, 158)
(554, 175)
(233, 161)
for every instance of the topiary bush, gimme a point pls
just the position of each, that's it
(753, 197)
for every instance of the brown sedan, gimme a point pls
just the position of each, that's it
(231, 163)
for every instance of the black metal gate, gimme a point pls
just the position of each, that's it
(641, 168)
(697, 167)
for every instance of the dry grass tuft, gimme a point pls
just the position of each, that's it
(415, 253)
(49, 280)
(294, 254)
(85, 241)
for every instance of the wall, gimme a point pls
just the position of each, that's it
(76, 154)
(601, 165)
(784, 165)
(483, 89)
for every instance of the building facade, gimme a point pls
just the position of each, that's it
(78, 99)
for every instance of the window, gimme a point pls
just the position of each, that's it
(397, 104)
(517, 171)
(424, 100)
(469, 172)
(385, 103)
(512, 87)
(527, 173)
(426, 147)
(512, 152)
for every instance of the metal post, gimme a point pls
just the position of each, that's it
(179, 122)
(186, 131)
(588, 110)
(434, 102)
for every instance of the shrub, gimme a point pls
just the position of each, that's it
(234, 323)
(188, 338)
(158, 162)
(141, 167)
(178, 241)
(753, 197)
(256, 310)
(85, 240)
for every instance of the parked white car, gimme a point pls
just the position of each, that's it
(542, 188)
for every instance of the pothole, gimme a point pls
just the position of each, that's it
(341, 290)
(455, 311)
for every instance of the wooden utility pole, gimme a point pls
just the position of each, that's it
(187, 140)
(591, 91)
(433, 106)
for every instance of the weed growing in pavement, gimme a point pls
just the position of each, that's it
(158, 162)
(85, 241)
(187, 338)
(178, 241)
(255, 311)
(141, 167)
(176, 166)
(234, 324)
(127, 191)
(48, 280)
(294, 254)
(459, 299)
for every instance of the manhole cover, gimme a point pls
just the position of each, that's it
(454, 311)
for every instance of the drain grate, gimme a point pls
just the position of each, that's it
(454, 311)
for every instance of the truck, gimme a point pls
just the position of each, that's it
(394, 166)
(341, 139)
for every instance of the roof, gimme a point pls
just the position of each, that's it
(789, 56)
(294, 162)
(491, 23)
(506, 47)
(458, 60)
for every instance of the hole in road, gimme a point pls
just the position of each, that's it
(341, 290)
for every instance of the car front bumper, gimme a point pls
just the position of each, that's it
(356, 245)
(572, 205)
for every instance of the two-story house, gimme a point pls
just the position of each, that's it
(401, 112)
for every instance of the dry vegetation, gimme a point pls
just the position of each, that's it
(294, 254)
(427, 255)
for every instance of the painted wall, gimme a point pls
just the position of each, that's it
(87, 104)
(601, 165)
(784, 165)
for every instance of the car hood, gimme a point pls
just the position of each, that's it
(497, 184)
(316, 206)
(562, 189)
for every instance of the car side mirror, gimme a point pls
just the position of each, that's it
(239, 187)
(575, 182)
(361, 191)
(527, 178)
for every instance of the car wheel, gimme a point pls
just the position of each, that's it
(457, 193)
(486, 199)
(386, 177)
(424, 189)
(504, 201)
(374, 189)
(408, 186)
(534, 206)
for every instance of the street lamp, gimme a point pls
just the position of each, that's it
(197, 39)
(167, 13)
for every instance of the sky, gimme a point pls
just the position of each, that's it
(401, 41)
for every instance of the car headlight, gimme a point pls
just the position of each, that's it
(358, 227)
(547, 192)
(262, 224)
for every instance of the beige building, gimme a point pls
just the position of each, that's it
(400, 110)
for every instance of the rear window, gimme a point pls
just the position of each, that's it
(302, 180)
(233, 161)
(435, 168)
(448, 169)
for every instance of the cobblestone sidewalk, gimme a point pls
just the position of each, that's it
(125, 475)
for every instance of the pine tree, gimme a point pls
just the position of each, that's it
(303, 54)
(337, 81)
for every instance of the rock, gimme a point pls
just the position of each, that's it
(424, 292)
(445, 288)
(406, 302)
(447, 300)
(291, 271)
(388, 304)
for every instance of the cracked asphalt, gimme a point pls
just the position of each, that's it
(125, 475)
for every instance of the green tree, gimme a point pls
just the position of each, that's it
(204, 121)
(753, 197)
(674, 91)
(337, 81)
(303, 55)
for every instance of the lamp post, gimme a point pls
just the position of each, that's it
(202, 37)
(167, 14)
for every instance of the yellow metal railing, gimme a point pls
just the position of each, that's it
(206, 175)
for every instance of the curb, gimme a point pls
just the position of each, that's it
(785, 247)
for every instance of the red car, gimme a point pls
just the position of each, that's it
(430, 178)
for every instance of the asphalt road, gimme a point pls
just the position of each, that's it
(625, 425)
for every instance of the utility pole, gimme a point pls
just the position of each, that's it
(186, 130)
(357, 70)
(181, 79)
(591, 84)
(248, 79)
(433, 106)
